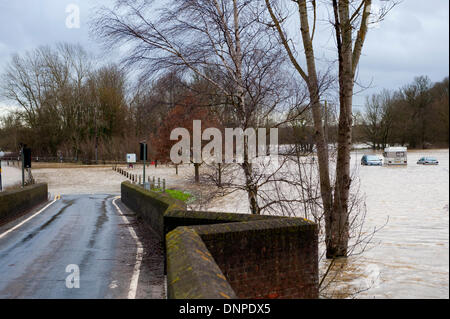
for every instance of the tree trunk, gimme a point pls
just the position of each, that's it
(197, 173)
(251, 188)
(219, 181)
(319, 137)
(337, 245)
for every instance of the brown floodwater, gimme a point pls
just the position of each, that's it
(409, 256)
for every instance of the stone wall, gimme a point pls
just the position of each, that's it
(274, 258)
(225, 255)
(17, 201)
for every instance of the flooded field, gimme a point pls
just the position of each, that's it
(410, 255)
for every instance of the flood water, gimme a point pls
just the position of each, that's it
(409, 256)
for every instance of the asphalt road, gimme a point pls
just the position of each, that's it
(78, 247)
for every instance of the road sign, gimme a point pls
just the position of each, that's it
(143, 157)
(131, 158)
(143, 154)
(27, 157)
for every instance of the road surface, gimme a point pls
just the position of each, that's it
(78, 247)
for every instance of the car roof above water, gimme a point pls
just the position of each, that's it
(372, 158)
(396, 149)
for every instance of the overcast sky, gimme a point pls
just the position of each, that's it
(412, 40)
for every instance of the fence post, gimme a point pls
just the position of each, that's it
(159, 182)
(164, 184)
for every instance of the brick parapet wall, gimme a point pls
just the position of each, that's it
(150, 206)
(17, 201)
(260, 256)
(192, 271)
(274, 258)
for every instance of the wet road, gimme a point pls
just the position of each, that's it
(81, 235)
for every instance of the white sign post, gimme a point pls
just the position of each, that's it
(131, 159)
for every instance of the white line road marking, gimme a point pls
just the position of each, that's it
(139, 253)
(29, 218)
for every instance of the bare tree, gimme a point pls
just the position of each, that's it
(64, 102)
(199, 36)
(350, 22)
(378, 119)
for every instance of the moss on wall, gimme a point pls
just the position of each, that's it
(150, 206)
(226, 255)
(191, 270)
(17, 201)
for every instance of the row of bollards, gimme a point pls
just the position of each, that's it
(137, 179)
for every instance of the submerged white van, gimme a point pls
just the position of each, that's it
(395, 156)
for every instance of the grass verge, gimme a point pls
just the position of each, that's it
(176, 194)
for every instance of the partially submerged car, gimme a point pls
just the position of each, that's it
(428, 161)
(371, 160)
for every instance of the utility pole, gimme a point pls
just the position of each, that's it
(96, 136)
(325, 129)
(23, 165)
(143, 157)
(1, 155)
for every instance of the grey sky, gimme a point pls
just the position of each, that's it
(412, 40)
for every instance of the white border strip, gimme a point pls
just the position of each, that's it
(29, 218)
(139, 253)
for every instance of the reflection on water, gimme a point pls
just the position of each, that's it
(409, 257)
